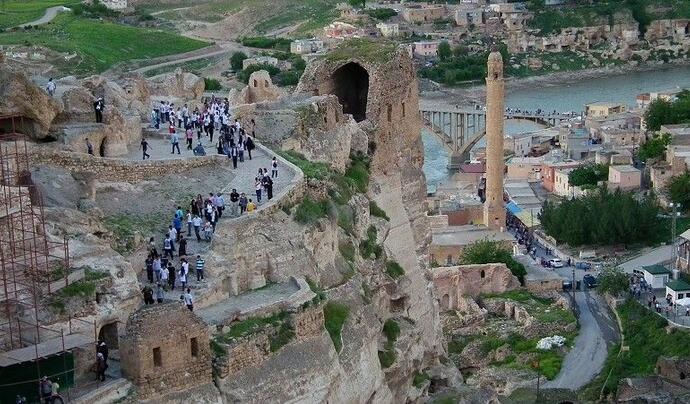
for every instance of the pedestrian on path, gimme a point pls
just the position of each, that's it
(175, 142)
(50, 87)
(199, 268)
(274, 167)
(144, 149)
(189, 300)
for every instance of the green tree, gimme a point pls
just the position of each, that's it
(444, 51)
(613, 281)
(236, 60)
(678, 189)
(662, 112)
(588, 175)
(487, 252)
(654, 148)
(357, 3)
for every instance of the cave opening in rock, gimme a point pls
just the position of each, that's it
(108, 334)
(351, 84)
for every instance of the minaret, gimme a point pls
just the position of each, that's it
(494, 210)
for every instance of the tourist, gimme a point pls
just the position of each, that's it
(99, 106)
(219, 204)
(258, 186)
(189, 300)
(101, 366)
(199, 150)
(46, 388)
(197, 227)
(199, 268)
(234, 203)
(268, 186)
(233, 155)
(157, 267)
(190, 137)
(171, 276)
(208, 231)
(184, 269)
(251, 207)
(149, 268)
(175, 142)
(177, 227)
(249, 145)
(274, 167)
(89, 146)
(144, 148)
(148, 294)
(172, 233)
(243, 203)
(182, 247)
(160, 293)
(167, 246)
(164, 274)
(240, 150)
(103, 349)
(50, 87)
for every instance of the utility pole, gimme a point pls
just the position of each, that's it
(674, 216)
(574, 285)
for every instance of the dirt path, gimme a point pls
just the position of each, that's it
(49, 15)
(226, 49)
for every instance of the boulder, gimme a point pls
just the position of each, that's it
(21, 97)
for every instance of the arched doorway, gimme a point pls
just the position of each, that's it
(351, 84)
(108, 334)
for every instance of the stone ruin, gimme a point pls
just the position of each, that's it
(454, 284)
(164, 349)
(260, 88)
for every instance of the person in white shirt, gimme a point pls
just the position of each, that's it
(50, 87)
(197, 227)
(189, 300)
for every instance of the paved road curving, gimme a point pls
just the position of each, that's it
(49, 15)
(585, 360)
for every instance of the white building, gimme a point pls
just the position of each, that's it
(388, 29)
(306, 46)
(656, 276)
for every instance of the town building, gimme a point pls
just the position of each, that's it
(656, 276)
(388, 29)
(643, 100)
(548, 172)
(576, 141)
(448, 244)
(680, 133)
(524, 168)
(604, 109)
(306, 46)
(469, 15)
(683, 252)
(612, 157)
(419, 14)
(425, 49)
(562, 185)
(625, 178)
(677, 289)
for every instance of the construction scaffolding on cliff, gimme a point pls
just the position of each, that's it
(33, 265)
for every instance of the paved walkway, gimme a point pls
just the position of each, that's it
(677, 313)
(49, 16)
(259, 299)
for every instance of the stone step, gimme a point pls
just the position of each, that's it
(109, 391)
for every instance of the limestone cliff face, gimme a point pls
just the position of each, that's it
(365, 96)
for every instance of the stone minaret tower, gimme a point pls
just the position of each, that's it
(494, 211)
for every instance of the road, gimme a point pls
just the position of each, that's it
(586, 359)
(598, 331)
(50, 14)
(655, 256)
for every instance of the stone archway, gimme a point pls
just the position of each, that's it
(445, 302)
(108, 333)
(351, 86)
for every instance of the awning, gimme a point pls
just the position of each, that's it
(513, 208)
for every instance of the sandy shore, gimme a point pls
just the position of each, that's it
(473, 94)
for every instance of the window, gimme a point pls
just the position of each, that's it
(482, 274)
(195, 347)
(680, 295)
(390, 113)
(256, 84)
(157, 358)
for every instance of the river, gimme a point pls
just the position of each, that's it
(565, 96)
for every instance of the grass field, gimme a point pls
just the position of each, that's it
(99, 44)
(16, 12)
(268, 15)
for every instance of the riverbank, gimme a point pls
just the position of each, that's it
(476, 94)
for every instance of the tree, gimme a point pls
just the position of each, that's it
(357, 3)
(236, 60)
(678, 189)
(488, 252)
(613, 281)
(444, 51)
(662, 112)
(654, 148)
(588, 175)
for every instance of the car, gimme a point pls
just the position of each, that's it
(583, 265)
(567, 285)
(555, 263)
(590, 281)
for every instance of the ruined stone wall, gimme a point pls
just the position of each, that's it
(165, 348)
(108, 169)
(454, 283)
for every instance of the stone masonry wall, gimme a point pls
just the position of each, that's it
(454, 283)
(165, 349)
(107, 169)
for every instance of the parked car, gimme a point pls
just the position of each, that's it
(556, 263)
(590, 281)
(567, 285)
(583, 265)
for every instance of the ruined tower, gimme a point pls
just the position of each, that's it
(494, 211)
